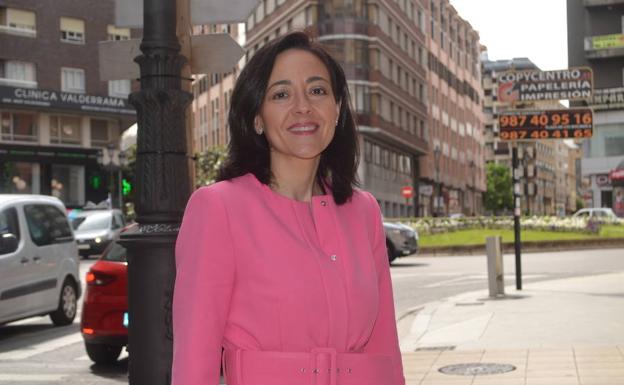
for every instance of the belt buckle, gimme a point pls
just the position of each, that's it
(317, 371)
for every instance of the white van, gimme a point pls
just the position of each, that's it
(38, 260)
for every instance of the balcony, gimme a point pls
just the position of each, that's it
(604, 46)
(601, 3)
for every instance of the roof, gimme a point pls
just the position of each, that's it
(5, 198)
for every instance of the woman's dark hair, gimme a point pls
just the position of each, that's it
(249, 152)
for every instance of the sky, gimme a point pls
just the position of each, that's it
(536, 29)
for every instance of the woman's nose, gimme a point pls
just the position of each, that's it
(302, 103)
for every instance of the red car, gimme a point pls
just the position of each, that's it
(104, 322)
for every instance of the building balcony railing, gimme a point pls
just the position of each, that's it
(17, 83)
(601, 3)
(18, 31)
(604, 46)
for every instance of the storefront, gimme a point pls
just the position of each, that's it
(50, 142)
(617, 181)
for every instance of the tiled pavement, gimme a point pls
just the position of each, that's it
(563, 332)
(539, 366)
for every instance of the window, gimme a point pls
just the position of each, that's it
(73, 80)
(65, 130)
(72, 30)
(18, 73)
(18, 126)
(99, 133)
(119, 88)
(9, 225)
(115, 33)
(47, 224)
(18, 22)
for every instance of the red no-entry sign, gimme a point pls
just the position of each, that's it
(407, 192)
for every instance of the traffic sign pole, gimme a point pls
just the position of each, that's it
(517, 208)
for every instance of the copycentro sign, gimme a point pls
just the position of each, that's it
(534, 85)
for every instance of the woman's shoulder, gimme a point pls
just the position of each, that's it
(225, 190)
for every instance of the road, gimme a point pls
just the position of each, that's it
(33, 352)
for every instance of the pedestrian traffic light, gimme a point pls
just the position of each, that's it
(95, 181)
(126, 187)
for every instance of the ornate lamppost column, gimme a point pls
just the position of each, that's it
(163, 186)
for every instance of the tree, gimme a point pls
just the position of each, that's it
(499, 194)
(207, 165)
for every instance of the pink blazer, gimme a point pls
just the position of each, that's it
(259, 271)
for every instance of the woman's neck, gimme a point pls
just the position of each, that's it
(295, 178)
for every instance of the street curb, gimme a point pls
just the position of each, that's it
(527, 246)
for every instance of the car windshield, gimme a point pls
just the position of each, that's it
(97, 221)
(116, 253)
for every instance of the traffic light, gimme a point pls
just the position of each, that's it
(126, 187)
(95, 181)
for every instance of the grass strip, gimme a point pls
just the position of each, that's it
(478, 236)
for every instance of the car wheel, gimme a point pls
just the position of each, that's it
(103, 354)
(68, 304)
(391, 253)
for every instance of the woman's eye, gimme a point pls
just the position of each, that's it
(279, 95)
(319, 91)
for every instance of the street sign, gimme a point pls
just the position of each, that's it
(532, 85)
(117, 59)
(221, 12)
(214, 53)
(546, 124)
(407, 192)
(129, 13)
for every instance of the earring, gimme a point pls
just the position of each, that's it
(336, 122)
(259, 130)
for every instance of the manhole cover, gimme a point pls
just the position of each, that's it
(476, 369)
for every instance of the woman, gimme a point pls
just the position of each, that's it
(282, 263)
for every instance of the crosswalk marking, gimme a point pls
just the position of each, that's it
(44, 347)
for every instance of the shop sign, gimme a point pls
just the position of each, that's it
(608, 99)
(532, 85)
(602, 180)
(33, 97)
(617, 175)
(546, 124)
(426, 190)
(608, 41)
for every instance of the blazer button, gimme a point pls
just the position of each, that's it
(323, 203)
(333, 257)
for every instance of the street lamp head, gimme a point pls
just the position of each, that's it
(100, 156)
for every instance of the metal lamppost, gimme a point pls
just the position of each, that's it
(438, 194)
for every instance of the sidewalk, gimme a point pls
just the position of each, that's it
(562, 332)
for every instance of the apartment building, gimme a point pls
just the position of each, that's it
(596, 40)
(60, 125)
(454, 168)
(547, 167)
(399, 79)
(212, 94)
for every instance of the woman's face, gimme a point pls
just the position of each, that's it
(299, 111)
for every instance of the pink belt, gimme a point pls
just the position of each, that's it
(322, 366)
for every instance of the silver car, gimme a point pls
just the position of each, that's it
(95, 229)
(401, 240)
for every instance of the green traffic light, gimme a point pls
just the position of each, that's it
(126, 187)
(96, 182)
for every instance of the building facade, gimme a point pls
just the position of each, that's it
(393, 67)
(547, 167)
(596, 40)
(60, 123)
(454, 167)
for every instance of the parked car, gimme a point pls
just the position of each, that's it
(401, 240)
(104, 318)
(95, 229)
(601, 214)
(38, 260)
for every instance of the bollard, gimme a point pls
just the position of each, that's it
(493, 247)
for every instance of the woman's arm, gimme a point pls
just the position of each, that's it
(384, 338)
(204, 280)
